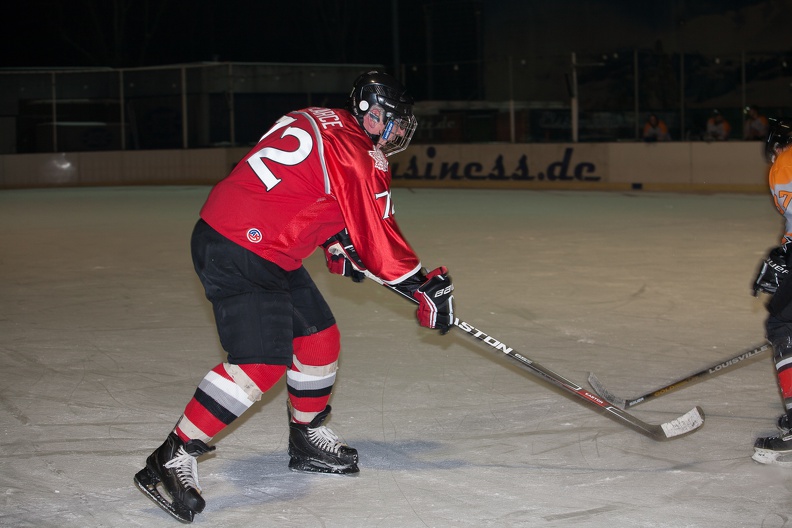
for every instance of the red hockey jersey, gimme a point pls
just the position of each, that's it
(312, 174)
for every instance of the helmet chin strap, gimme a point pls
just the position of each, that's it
(388, 129)
(375, 138)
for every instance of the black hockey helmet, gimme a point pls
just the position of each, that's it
(779, 137)
(376, 88)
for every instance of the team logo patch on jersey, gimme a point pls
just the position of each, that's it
(254, 235)
(380, 162)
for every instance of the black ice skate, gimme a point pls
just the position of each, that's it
(774, 450)
(174, 465)
(316, 449)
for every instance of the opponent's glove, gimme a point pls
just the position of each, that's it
(435, 301)
(341, 257)
(772, 271)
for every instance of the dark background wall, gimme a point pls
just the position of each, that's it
(130, 33)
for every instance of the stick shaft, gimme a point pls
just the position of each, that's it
(656, 432)
(714, 369)
(687, 423)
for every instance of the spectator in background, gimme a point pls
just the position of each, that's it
(718, 129)
(756, 125)
(655, 129)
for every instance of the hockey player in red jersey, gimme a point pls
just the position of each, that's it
(319, 178)
(771, 279)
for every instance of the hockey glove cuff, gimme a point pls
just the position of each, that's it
(772, 271)
(341, 257)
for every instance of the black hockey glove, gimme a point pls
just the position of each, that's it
(341, 257)
(435, 298)
(772, 271)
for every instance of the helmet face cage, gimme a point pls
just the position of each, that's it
(398, 132)
(779, 137)
(380, 89)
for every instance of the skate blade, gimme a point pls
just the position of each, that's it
(147, 482)
(308, 467)
(776, 458)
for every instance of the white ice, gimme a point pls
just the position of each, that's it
(104, 334)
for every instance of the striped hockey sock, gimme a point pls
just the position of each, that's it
(223, 395)
(783, 363)
(312, 374)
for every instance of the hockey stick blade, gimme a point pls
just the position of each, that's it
(717, 368)
(687, 423)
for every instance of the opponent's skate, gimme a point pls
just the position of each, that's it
(774, 449)
(315, 448)
(174, 465)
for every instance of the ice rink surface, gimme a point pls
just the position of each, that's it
(104, 334)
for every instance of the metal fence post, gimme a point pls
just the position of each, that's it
(636, 89)
(53, 93)
(184, 105)
(682, 96)
(231, 109)
(122, 118)
(574, 101)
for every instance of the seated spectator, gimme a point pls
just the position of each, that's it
(655, 129)
(718, 129)
(756, 125)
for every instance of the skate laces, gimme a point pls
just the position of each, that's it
(783, 424)
(325, 439)
(186, 467)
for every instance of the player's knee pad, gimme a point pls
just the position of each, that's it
(255, 378)
(321, 348)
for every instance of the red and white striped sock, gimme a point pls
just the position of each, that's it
(223, 395)
(312, 375)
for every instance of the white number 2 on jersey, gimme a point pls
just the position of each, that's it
(281, 157)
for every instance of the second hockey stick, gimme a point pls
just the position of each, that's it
(717, 368)
(687, 423)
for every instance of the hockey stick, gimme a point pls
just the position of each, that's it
(687, 423)
(717, 368)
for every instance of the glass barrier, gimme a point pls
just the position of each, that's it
(586, 96)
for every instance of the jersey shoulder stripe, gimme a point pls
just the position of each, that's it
(319, 146)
